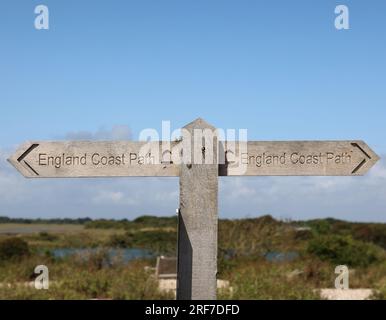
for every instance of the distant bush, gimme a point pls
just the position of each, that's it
(375, 233)
(45, 236)
(368, 232)
(44, 221)
(321, 226)
(163, 242)
(140, 222)
(107, 224)
(253, 236)
(153, 221)
(303, 234)
(13, 248)
(94, 259)
(345, 250)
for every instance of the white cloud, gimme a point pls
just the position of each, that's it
(379, 171)
(119, 132)
(109, 197)
(353, 198)
(237, 189)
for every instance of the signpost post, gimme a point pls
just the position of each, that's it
(198, 160)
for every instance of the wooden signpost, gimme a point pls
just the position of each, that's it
(198, 162)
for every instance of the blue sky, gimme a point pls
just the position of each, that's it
(277, 68)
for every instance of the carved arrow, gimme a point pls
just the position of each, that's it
(254, 158)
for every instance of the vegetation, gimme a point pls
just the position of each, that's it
(44, 221)
(13, 248)
(244, 245)
(368, 232)
(159, 241)
(138, 223)
(81, 279)
(345, 250)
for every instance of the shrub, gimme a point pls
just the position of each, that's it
(13, 248)
(107, 224)
(375, 233)
(159, 222)
(162, 242)
(345, 250)
(45, 236)
(261, 281)
(321, 226)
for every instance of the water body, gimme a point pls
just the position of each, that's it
(274, 256)
(125, 255)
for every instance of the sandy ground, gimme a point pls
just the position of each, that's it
(15, 228)
(350, 294)
(170, 285)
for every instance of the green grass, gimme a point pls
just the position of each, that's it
(242, 245)
(75, 279)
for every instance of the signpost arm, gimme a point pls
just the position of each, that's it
(197, 225)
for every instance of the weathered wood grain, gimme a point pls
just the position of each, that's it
(74, 159)
(197, 232)
(298, 158)
(254, 158)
